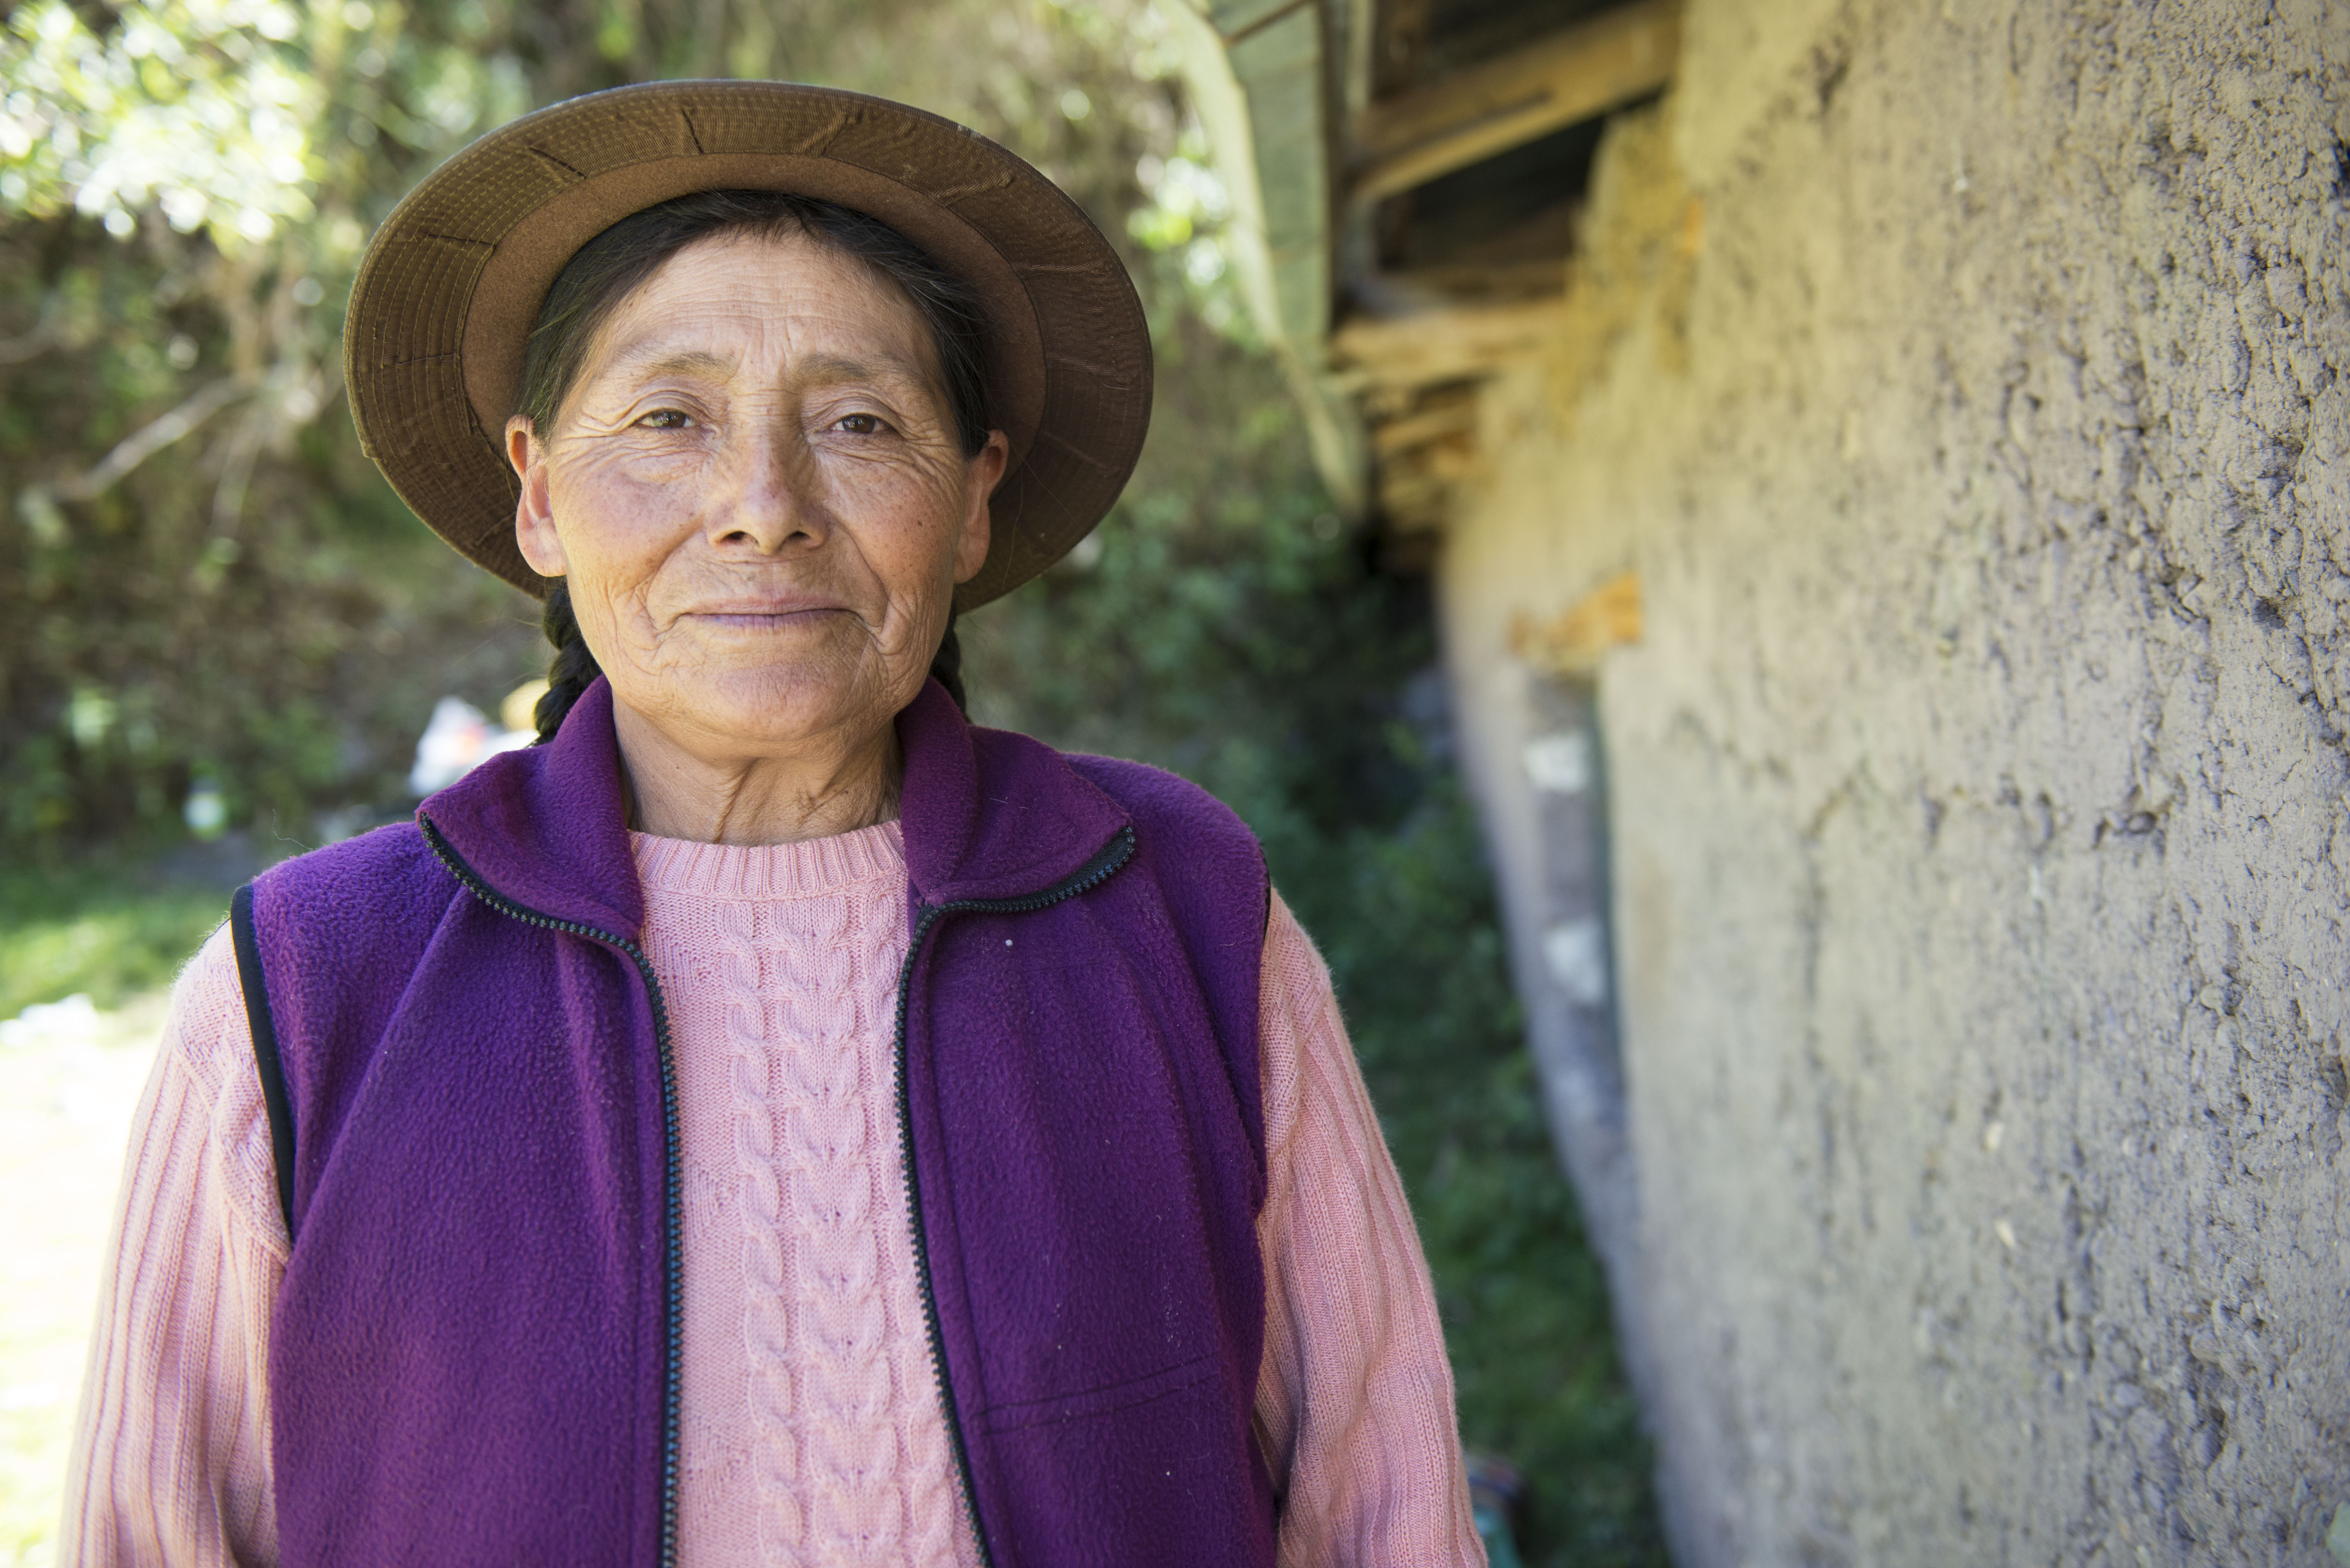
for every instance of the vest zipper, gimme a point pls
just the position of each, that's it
(674, 1242)
(1092, 875)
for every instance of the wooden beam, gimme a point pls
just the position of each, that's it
(1422, 427)
(1471, 115)
(1450, 459)
(1430, 347)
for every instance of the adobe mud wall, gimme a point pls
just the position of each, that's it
(1964, 381)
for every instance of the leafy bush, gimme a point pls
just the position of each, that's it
(106, 927)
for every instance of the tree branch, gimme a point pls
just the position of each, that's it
(150, 439)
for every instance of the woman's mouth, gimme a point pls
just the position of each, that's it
(765, 618)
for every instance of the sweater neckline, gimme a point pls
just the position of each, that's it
(808, 869)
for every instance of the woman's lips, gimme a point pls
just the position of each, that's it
(765, 618)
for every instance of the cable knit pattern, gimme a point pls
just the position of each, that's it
(767, 1340)
(782, 965)
(810, 1424)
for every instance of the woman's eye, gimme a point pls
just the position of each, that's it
(862, 424)
(666, 420)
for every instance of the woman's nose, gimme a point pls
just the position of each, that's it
(771, 504)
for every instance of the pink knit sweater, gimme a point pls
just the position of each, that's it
(810, 1419)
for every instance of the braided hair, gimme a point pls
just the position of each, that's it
(573, 669)
(611, 266)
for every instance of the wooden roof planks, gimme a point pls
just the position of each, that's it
(1472, 114)
(1462, 343)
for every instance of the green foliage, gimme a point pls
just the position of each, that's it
(108, 927)
(219, 116)
(1412, 939)
(209, 580)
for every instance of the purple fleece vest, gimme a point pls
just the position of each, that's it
(474, 1355)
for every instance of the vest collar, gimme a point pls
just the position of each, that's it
(986, 814)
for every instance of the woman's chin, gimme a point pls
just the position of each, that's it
(774, 705)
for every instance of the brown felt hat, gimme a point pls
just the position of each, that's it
(451, 286)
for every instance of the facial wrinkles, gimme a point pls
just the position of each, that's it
(777, 399)
(764, 492)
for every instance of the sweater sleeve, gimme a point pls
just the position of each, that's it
(169, 1462)
(1354, 1407)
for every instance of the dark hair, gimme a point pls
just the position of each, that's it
(613, 265)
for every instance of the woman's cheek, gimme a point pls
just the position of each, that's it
(629, 456)
(905, 509)
(621, 499)
(654, 468)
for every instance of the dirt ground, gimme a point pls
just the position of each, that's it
(71, 1076)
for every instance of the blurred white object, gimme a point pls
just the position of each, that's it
(206, 810)
(51, 1023)
(1560, 763)
(458, 739)
(1577, 956)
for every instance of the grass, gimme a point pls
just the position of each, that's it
(106, 924)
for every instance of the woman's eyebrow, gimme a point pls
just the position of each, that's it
(652, 360)
(840, 368)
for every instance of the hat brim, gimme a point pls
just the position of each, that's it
(446, 296)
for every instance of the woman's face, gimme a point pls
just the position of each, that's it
(756, 495)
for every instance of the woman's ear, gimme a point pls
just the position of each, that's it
(534, 510)
(984, 474)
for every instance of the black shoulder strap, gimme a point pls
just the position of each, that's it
(265, 1048)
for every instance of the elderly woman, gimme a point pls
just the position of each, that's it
(770, 1120)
